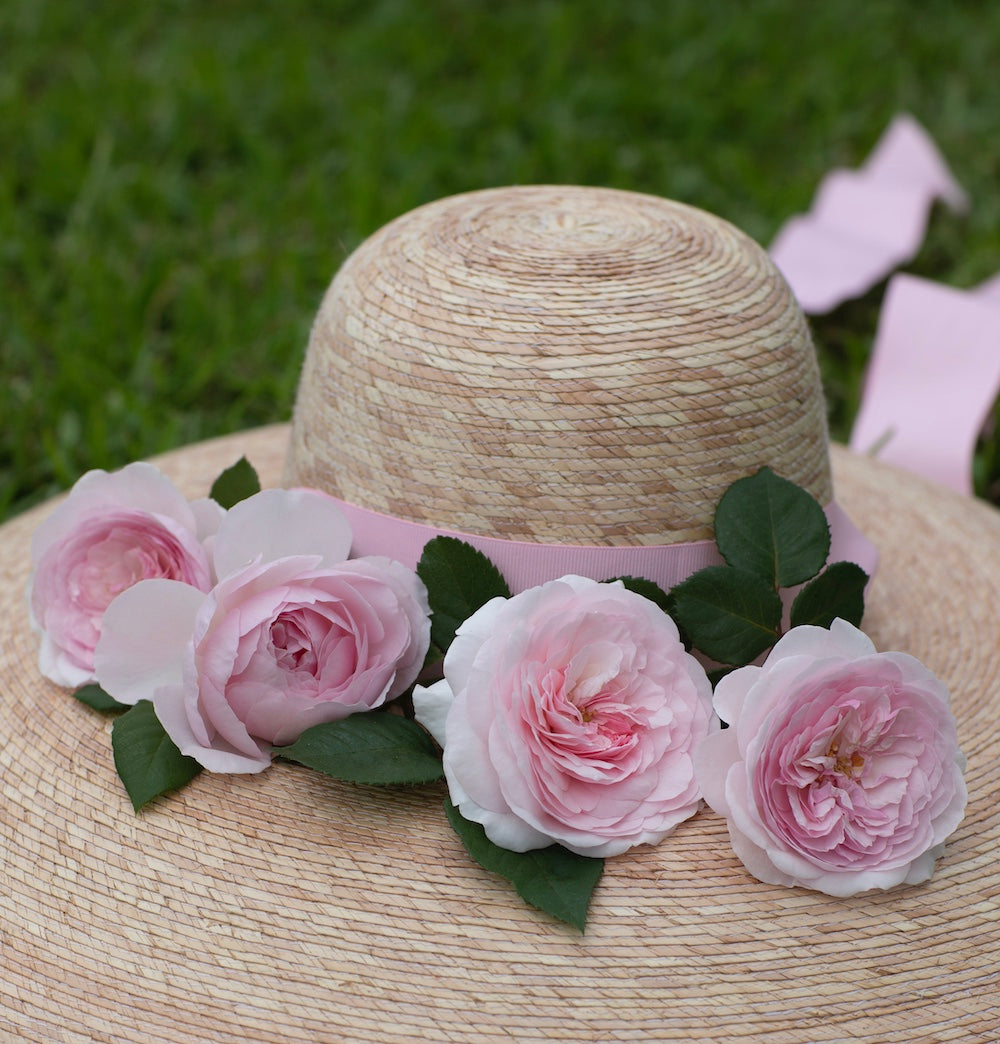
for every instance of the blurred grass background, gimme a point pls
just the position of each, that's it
(179, 180)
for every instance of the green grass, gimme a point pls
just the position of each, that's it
(179, 181)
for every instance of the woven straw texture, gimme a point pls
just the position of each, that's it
(597, 365)
(287, 907)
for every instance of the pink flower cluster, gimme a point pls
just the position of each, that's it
(570, 713)
(243, 632)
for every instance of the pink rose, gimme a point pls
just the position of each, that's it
(840, 770)
(568, 714)
(291, 636)
(112, 531)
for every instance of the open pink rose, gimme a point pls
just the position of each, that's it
(840, 770)
(568, 714)
(291, 636)
(112, 531)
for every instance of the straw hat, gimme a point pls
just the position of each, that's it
(289, 907)
(597, 366)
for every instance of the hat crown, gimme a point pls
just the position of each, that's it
(557, 364)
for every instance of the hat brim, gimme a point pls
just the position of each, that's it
(287, 906)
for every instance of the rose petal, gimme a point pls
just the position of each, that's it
(279, 523)
(712, 759)
(169, 704)
(98, 492)
(57, 666)
(145, 633)
(208, 516)
(431, 705)
(841, 639)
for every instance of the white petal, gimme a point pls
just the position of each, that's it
(469, 639)
(58, 667)
(731, 691)
(143, 637)
(842, 639)
(208, 516)
(504, 829)
(431, 704)
(581, 583)
(713, 760)
(279, 523)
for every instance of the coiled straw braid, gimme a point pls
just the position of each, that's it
(557, 364)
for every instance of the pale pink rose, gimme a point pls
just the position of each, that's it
(569, 714)
(840, 770)
(291, 636)
(112, 531)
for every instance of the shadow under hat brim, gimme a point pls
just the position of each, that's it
(286, 906)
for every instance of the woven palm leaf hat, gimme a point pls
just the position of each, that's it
(562, 366)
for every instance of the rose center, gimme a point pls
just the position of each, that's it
(609, 720)
(293, 647)
(115, 564)
(846, 764)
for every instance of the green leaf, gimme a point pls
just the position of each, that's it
(838, 591)
(434, 656)
(374, 747)
(235, 484)
(647, 589)
(147, 759)
(95, 697)
(772, 528)
(729, 614)
(553, 879)
(459, 580)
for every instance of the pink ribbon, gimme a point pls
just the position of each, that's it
(932, 380)
(525, 565)
(934, 373)
(864, 223)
